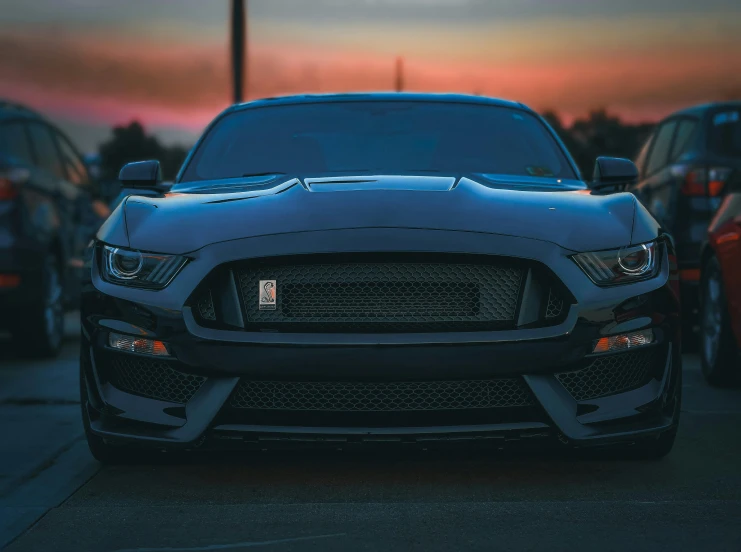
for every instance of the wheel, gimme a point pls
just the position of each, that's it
(718, 351)
(40, 333)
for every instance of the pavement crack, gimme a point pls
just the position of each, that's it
(232, 546)
(45, 465)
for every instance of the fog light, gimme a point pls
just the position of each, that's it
(132, 344)
(624, 341)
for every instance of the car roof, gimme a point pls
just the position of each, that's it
(13, 110)
(378, 96)
(701, 109)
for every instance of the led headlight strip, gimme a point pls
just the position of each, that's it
(133, 268)
(620, 266)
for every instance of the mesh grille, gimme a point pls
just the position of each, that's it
(152, 378)
(608, 375)
(555, 304)
(206, 306)
(385, 296)
(381, 397)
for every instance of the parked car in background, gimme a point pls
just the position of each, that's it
(720, 327)
(684, 171)
(48, 214)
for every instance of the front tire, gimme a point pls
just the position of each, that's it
(718, 351)
(41, 332)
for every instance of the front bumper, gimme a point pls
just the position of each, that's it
(218, 360)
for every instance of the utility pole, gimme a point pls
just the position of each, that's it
(399, 74)
(239, 40)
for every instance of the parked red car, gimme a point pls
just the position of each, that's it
(720, 327)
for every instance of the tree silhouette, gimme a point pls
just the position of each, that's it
(599, 134)
(132, 143)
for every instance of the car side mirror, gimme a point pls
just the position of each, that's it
(142, 174)
(613, 171)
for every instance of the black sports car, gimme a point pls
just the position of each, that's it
(351, 269)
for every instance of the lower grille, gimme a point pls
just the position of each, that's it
(611, 374)
(152, 378)
(383, 296)
(335, 396)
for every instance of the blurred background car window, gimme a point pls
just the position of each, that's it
(725, 134)
(47, 154)
(659, 154)
(75, 169)
(685, 132)
(14, 143)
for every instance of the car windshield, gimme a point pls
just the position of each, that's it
(725, 133)
(384, 137)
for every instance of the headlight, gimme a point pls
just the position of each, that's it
(621, 266)
(128, 267)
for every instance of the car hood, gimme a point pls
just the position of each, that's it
(537, 208)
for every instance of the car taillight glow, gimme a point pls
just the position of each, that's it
(705, 181)
(10, 280)
(728, 237)
(8, 190)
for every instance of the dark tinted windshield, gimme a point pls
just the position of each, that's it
(725, 133)
(378, 137)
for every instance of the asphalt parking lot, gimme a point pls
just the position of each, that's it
(54, 496)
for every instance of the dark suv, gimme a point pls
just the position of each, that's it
(48, 214)
(684, 169)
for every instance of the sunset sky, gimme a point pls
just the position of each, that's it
(90, 64)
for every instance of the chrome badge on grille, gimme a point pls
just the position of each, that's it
(267, 294)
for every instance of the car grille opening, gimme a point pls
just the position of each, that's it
(384, 296)
(555, 305)
(611, 374)
(359, 396)
(380, 293)
(151, 378)
(205, 306)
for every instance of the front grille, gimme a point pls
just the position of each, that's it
(383, 296)
(337, 396)
(152, 378)
(611, 374)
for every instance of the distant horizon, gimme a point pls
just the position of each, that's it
(90, 64)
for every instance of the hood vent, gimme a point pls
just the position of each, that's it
(389, 183)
